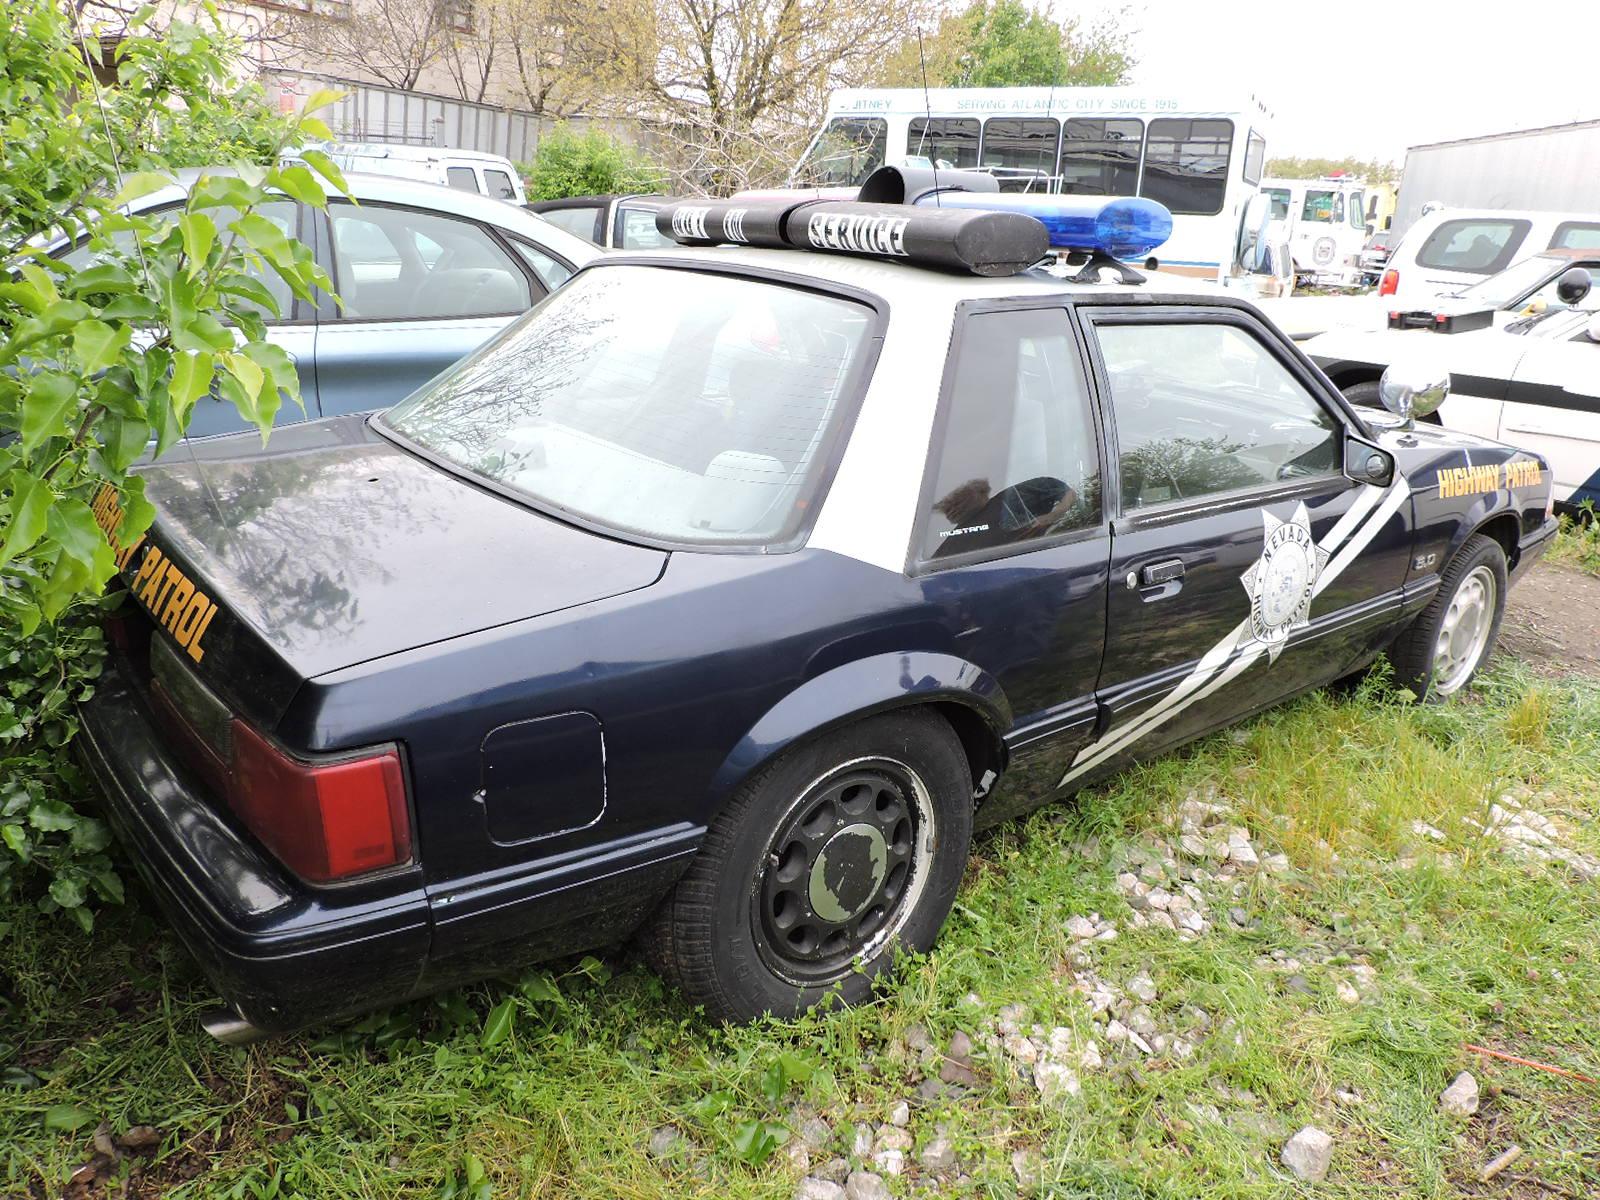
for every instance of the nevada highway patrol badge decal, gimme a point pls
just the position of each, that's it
(1282, 582)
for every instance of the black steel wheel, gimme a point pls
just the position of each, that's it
(827, 861)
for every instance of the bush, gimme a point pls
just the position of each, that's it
(99, 361)
(593, 163)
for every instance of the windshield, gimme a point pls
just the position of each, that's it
(685, 406)
(845, 153)
(1515, 282)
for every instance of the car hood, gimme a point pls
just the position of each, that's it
(332, 546)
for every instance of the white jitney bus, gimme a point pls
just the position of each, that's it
(1203, 161)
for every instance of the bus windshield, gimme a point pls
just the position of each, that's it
(845, 153)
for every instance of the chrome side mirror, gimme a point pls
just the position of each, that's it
(1411, 390)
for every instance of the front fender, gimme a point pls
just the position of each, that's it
(859, 689)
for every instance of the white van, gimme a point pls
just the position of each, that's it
(1448, 249)
(466, 170)
(1327, 219)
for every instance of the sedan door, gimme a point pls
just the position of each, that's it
(418, 291)
(1245, 565)
(1552, 406)
(1012, 540)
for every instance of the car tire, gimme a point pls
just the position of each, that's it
(1452, 638)
(826, 861)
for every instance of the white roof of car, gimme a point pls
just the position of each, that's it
(394, 189)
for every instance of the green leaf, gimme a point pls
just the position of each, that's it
(138, 185)
(16, 838)
(281, 374)
(497, 1028)
(72, 525)
(48, 397)
(325, 166)
(541, 989)
(100, 279)
(222, 191)
(300, 184)
(202, 331)
(30, 508)
(264, 237)
(132, 307)
(65, 1118)
(97, 345)
(41, 281)
(25, 295)
(712, 1105)
(67, 892)
(755, 1141)
(199, 234)
(321, 98)
(123, 440)
(51, 816)
(191, 379)
(137, 513)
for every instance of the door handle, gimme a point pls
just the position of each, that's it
(1157, 573)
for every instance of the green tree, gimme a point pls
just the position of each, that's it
(1006, 43)
(1371, 170)
(103, 361)
(592, 163)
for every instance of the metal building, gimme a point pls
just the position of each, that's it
(1556, 167)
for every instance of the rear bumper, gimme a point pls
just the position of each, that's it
(283, 953)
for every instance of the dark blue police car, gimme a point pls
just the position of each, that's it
(723, 596)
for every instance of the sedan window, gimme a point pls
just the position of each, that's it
(684, 406)
(402, 264)
(1017, 459)
(1203, 408)
(579, 221)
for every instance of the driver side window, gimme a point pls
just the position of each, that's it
(1017, 459)
(1204, 407)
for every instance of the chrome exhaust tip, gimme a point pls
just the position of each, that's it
(229, 1028)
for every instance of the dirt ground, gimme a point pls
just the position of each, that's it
(1552, 621)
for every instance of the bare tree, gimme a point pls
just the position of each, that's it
(391, 41)
(732, 88)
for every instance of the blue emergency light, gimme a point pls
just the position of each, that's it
(1120, 226)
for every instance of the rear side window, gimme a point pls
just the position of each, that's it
(402, 264)
(1017, 458)
(1203, 408)
(500, 186)
(1101, 158)
(578, 221)
(1022, 153)
(1280, 202)
(1479, 245)
(948, 141)
(636, 230)
(1186, 164)
(462, 178)
(1576, 235)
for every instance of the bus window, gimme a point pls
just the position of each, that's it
(1255, 157)
(1101, 158)
(1280, 202)
(1021, 153)
(948, 141)
(1357, 219)
(1186, 164)
(850, 149)
(1318, 206)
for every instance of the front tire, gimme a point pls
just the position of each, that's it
(1443, 648)
(823, 864)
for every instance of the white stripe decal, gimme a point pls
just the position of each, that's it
(1359, 523)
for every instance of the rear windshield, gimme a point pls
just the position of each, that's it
(684, 406)
(1478, 245)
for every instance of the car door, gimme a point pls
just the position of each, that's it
(418, 291)
(1012, 540)
(1245, 565)
(1552, 407)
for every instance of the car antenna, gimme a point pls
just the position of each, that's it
(927, 119)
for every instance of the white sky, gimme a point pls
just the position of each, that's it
(1370, 79)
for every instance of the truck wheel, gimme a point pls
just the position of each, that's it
(1443, 648)
(1364, 395)
(821, 866)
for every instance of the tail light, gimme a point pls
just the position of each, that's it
(1390, 283)
(325, 820)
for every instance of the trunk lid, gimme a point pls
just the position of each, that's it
(332, 546)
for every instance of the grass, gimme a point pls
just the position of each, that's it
(1577, 542)
(551, 1085)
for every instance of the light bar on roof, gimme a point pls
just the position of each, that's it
(1120, 226)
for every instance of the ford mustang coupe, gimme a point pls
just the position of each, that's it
(723, 595)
